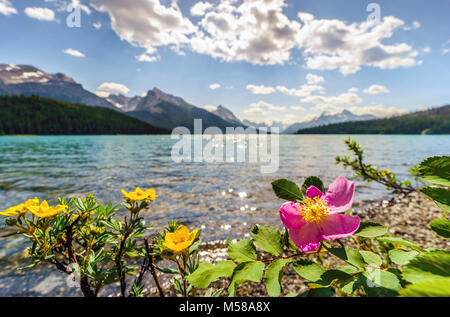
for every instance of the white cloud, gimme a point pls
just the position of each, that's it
(415, 25)
(215, 86)
(97, 25)
(426, 50)
(314, 79)
(446, 48)
(333, 44)
(113, 87)
(42, 14)
(102, 94)
(353, 89)
(147, 58)
(209, 108)
(378, 110)
(260, 90)
(73, 52)
(83, 7)
(148, 24)
(303, 91)
(262, 104)
(256, 111)
(298, 108)
(200, 8)
(260, 33)
(6, 8)
(346, 98)
(376, 89)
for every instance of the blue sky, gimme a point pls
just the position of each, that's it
(267, 59)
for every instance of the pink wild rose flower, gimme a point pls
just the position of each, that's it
(318, 216)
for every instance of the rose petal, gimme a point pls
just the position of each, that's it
(336, 226)
(313, 191)
(290, 216)
(340, 195)
(307, 237)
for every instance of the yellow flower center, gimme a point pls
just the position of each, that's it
(314, 209)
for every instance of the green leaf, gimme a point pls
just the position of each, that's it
(440, 196)
(308, 269)
(436, 170)
(318, 292)
(267, 239)
(351, 286)
(349, 255)
(401, 257)
(241, 251)
(249, 271)
(433, 288)
(400, 241)
(371, 258)
(286, 189)
(313, 181)
(429, 266)
(287, 241)
(369, 229)
(206, 273)
(274, 273)
(441, 226)
(378, 283)
(332, 277)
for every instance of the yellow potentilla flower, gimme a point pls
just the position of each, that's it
(20, 209)
(180, 239)
(140, 195)
(44, 210)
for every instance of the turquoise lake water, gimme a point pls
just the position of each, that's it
(208, 194)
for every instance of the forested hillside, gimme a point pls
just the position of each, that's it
(37, 115)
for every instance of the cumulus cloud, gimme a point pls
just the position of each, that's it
(260, 33)
(102, 94)
(200, 8)
(113, 87)
(376, 89)
(148, 24)
(314, 79)
(209, 108)
(147, 58)
(303, 91)
(333, 44)
(215, 86)
(260, 90)
(353, 89)
(415, 25)
(73, 52)
(262, 104)
(6, 8)
(298, 108)
(378, 110)
(42, 14)
(346, 98)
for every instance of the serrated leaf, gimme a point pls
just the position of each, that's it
(368, 229)
(206, 273)
(400, 241)
(371, 258)
(286, 189)
(440, 196)
(313, 181)
(267, 239)
(401, 257)
(432, 265)
(308, 269)
(241, 251)
(274, 273)
(287, 241)
(349, 255)
(378, 283)
(441, 226)
(249, 271)
(436, 170)
(433, 288)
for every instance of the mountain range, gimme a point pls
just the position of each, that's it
(160, 109)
